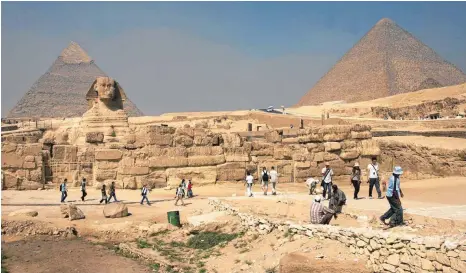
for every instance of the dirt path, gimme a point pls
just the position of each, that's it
(58, 256)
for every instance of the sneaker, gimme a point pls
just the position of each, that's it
(381, 197)
(383, 221)
(370, 197)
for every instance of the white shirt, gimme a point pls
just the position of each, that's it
(328, 178)
(373, 170)
(273, 176)
(309, 181)
(249, 179)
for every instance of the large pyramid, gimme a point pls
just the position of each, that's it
(388, 60)
(61, 91)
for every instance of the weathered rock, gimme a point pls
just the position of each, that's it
(168, 162)
(24, 212)
(273, 136)
(195, 161)
(108, 154)
(115, 210)
(95, 137)
(71, 212)
(198, 175)
(332, 146)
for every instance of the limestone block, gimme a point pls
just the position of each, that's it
(393, 259)
(332, 146)
(160, 130)
(94, 137)
(160, 140)
(198, 175)
(234, 171)
(331, 157)
(32, 149)
(349, 154)
(458, 265)
(157, 179)
(283, 153)
(360, 128)
(30, 185)
(29, 165)
(115, 210)
(205, 151)
(106, 165)
(184, 141)
(238, 154)
(135, 170)
(29, 158)
(11, 160)
(290, 140)
(368, 147)
(35, 175)
(206, 140)
(231, 140)
(10, 181)
(348, 144)
(195, 161)
(302, 155)
(262, 149)
(273, 136)
(319, 157)
(167, 162)
(169, 151)
(361, 135)
(189, 132)
(427, 265)
(8, 147)
(108, 154)
(335, 137)
(125, 161)
(102, 175)
(389, 267)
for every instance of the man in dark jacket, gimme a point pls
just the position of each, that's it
(112, 192)
(337, 200)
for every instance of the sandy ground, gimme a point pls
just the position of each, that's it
(433, 142)
(47, 256)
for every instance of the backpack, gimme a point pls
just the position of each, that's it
(265, 176)
(61, 185)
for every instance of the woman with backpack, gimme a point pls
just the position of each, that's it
(265, 180)
(356, 179)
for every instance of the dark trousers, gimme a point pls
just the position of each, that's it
(147, 199)
(190, 193)
(104, 198)
(110, 197)
(395, 213)
(356, 185)
(84, 194)
(327, 188)
(64, 194)
(326, 219)
(374, 182)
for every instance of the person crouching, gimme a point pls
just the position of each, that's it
(319, 213)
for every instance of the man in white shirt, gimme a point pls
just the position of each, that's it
(274, 180)
(249, 182)
(327, 174)
(373, 174)
(312, 184)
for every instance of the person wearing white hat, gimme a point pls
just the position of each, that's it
(395, 213)
(319, 213)
(356, 179)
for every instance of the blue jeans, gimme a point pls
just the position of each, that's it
(147, 199)
(114, 197)
(64, 194)
(327, 188)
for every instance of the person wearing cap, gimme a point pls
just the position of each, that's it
(319, 213)
(327, 174)
(356, 179)
(395, 213)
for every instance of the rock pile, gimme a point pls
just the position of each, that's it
(71, 212)
(385, 251)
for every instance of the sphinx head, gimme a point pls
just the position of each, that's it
(105, 88)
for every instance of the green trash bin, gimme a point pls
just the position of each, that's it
(174, 218)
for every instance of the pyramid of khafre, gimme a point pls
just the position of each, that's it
(388, 60)
(61, 91)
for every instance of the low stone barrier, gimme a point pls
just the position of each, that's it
(385, 251)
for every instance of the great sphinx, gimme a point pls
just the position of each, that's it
(105, 101)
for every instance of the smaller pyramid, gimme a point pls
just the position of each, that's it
(61, 91)
(387, 61)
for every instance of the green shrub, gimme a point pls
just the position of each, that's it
(207, 240)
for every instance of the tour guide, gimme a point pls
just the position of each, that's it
(395, 213)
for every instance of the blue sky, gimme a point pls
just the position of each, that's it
(247, 53)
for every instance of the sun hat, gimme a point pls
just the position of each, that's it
(398, 170)
(317, 198)
(356, 164)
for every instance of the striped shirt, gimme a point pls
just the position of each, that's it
(317, 212)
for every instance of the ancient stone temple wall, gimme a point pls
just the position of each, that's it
(161, 156)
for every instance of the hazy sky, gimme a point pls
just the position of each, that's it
(188, 56)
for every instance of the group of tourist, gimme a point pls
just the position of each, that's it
(183, 190)
(266, 177)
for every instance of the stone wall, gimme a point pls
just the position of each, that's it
(161, 156)
(384, 251)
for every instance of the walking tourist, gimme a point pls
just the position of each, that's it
(112, 192)
(63, 190)
(179, 195)
(337, 201)
(190, 189)
(83, 189)
(395, 213)
(249, 182)
(319, 213)
(327, 174)
(274, 180)
(312, 184)
(104, 194)
(265, 180)
(356, 179)
(374, 180)
(144, 192)
(183, 184)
